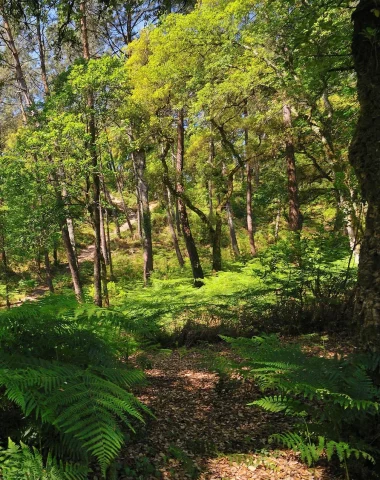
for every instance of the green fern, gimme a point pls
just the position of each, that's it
(61, 366)
(329, 397)
(311, 452)
(19, 462)
(75, 401)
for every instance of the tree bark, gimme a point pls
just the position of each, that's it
(364, 156)
(72, 261)
(112, 277)
(210, 187)
(41, 51)
(295, 216)
(70, 228)
(250, 227)
(20, 78)
(216, 236)
(183, 217)
(103, 239)
(231, 226)
(55, 255)
(49, 279)
(139, 164)
(171, 227)
(95, 207)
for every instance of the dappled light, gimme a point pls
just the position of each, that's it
(189, 240)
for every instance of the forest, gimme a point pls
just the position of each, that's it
(190, 239)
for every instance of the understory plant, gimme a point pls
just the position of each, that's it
(65, 391)
(334, 402)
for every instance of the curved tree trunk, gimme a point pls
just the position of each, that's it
(183, 217)
(364, 156)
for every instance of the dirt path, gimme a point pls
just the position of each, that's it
(204, 429)
(87, 254)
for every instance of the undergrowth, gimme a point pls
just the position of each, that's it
(65, 386)
(298, 285)
(334, 401)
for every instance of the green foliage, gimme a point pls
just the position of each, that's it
(334, 400)
(59, 364)
(19, 462)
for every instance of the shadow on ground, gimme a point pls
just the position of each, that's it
(204, 429)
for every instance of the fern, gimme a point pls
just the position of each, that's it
(330, 398)
(60, 365)
(75, 401)
(311, 452)
(19, 462)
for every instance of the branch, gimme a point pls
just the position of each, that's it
(181, 195)
(316, 165)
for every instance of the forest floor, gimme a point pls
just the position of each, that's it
(203, 428)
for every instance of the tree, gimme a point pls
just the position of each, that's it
(365, 158)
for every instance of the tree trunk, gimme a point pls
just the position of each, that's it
(20, 78)
(55, 255)
(250, 227)
(70, 228)
(295, 216)
(171, 227)
(364, 156)
(248, 169)
(125, 208)
(49, 280)
(95, 207)
(72, 261)
(216, 236)
(103, 239)
(112, 277)
(231, 226)
(6, 274)
(210, 187)
(176, 207)
(139, 164)
(183, 217)
(41, 51)
(103, 267)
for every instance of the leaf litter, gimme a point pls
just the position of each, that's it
(203, 428)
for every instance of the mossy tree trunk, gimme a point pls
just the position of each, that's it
(365, 158)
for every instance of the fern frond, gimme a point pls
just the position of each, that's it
(19, 462)
(279, 403)
(77, 402)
